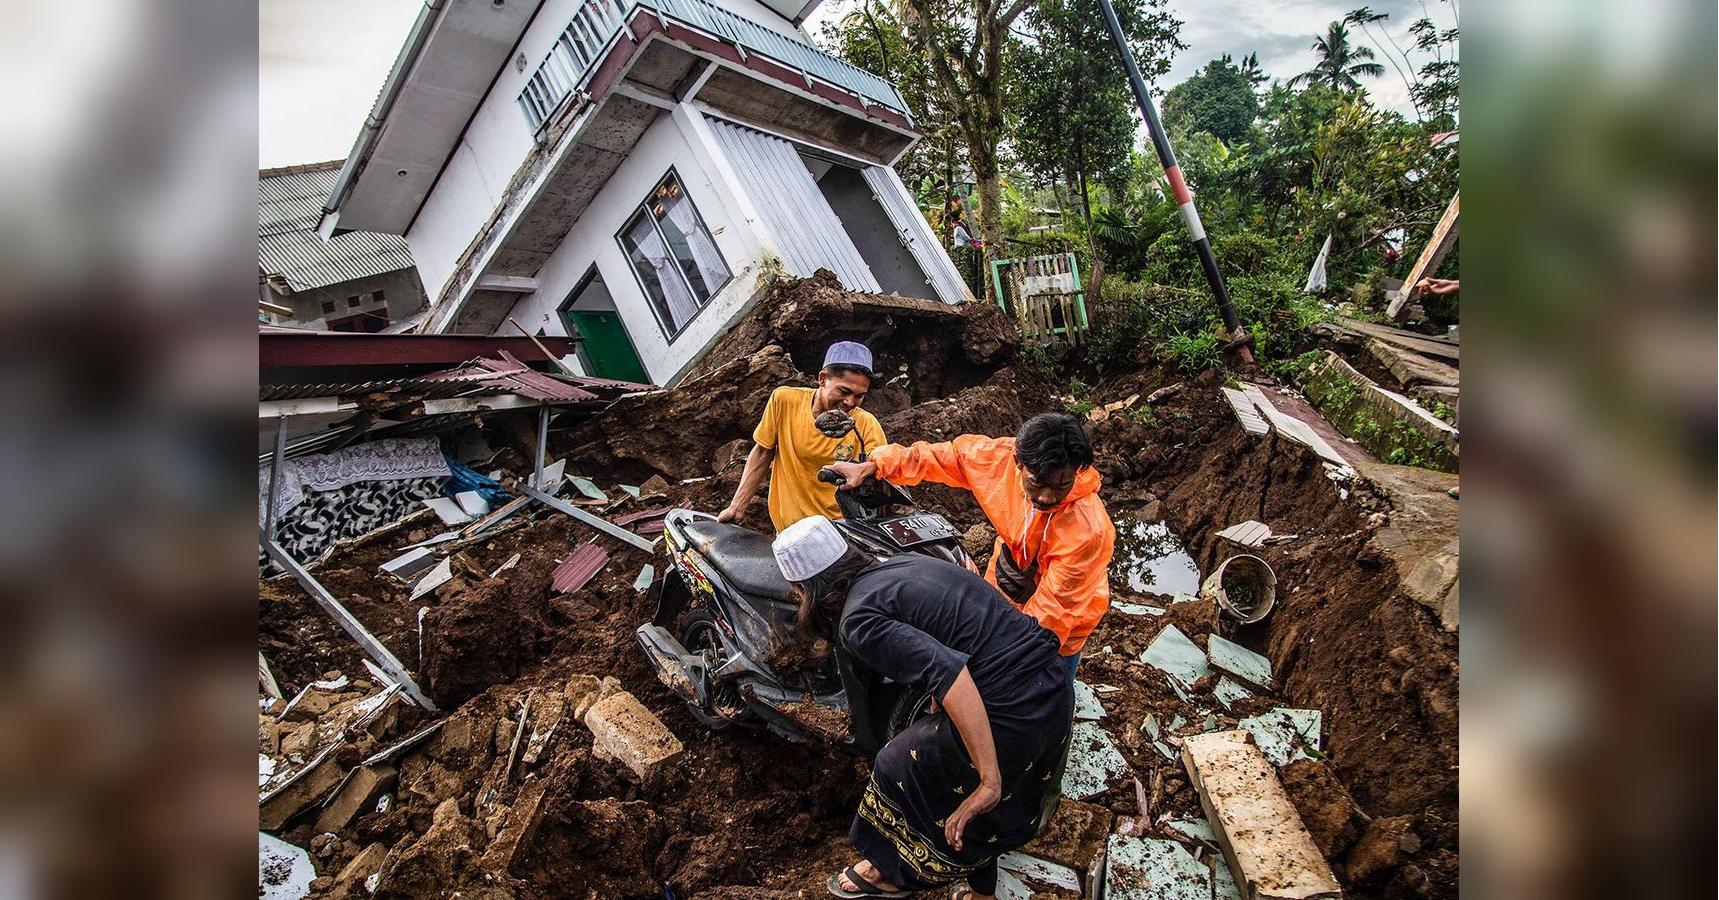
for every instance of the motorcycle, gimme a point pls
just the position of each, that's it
(724, 634)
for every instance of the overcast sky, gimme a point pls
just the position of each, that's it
(322, 62)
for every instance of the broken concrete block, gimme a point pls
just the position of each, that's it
(584, 690)
(1239, 661)
(516, 835)
(284, 872)
(1073, 836)
(1147, 869)
(1174, 653)
(354, 796)
(352, 876)
(1093, 761)
(312, 783)
(1269, 850)
(623, 729)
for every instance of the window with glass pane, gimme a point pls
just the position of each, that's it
(671, 250)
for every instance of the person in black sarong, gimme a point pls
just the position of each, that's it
(978, 777)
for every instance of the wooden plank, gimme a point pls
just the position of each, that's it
(1411, 368)
(350, 624)
(1269, 850)
(1443, 237)
(614, 531)
(1294, 405)
(1420, 343)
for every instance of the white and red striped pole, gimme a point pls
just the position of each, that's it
(1234, 334)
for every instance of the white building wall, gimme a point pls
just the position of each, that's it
(497, 141)
(673, 140)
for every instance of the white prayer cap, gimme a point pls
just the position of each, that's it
(808, 547)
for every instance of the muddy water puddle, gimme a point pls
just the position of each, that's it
(1152, 559)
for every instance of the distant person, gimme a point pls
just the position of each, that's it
(980, 775)
(790, 447)
(1040, 492)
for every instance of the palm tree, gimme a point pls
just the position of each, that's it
(1251, 71)
(1339, 62)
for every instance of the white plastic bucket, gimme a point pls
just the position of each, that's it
(1253, 583)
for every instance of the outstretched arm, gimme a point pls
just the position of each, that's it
(751, 478)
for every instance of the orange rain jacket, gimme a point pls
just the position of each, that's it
(1071, 543)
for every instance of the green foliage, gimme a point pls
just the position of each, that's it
(1076, 113)
(1191, 352)
(1217, 100)
(1341, 64)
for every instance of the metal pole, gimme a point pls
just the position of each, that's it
(275, 477)
(542, 445)
(1178, 186)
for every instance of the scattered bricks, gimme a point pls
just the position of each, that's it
(1381, 847)
(311, 784)
(623, 729)
(296, 742)
(583, 691)
(358, 792)
(431, 865)
(1264, 841)
(349, 882)
(516, 835)
(1074, 835)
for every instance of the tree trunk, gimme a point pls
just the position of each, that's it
(990, 213)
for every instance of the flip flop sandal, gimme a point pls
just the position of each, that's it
(866, 888)
(960, 891)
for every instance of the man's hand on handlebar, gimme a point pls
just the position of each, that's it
(728, 514)
(846, 475)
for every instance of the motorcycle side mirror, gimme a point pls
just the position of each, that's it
(834, 423)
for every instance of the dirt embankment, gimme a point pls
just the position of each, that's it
(748, 814)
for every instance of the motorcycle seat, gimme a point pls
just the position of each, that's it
(742, 556)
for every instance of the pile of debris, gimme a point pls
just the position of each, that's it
(553, 762)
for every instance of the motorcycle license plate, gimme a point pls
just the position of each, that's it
(911, 531)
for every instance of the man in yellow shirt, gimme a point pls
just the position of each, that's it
(789, 445)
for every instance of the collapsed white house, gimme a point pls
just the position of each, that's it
(633, 173)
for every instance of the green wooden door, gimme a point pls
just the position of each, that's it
(607, 345)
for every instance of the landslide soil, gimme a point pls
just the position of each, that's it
(747, 814)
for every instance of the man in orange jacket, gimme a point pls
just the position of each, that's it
(1041, 494)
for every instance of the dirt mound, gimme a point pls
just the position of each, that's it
(674, 433)
(487, 634)
(920, 347)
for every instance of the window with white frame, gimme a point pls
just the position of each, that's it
(673, 255)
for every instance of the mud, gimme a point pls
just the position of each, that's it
(748, 814)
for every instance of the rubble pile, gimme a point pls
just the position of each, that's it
(557, 765)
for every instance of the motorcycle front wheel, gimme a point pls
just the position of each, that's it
(699, 634)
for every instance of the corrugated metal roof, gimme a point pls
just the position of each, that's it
(289, 205)
(578, 568)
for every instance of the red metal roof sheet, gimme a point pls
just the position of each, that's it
(578, 568)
